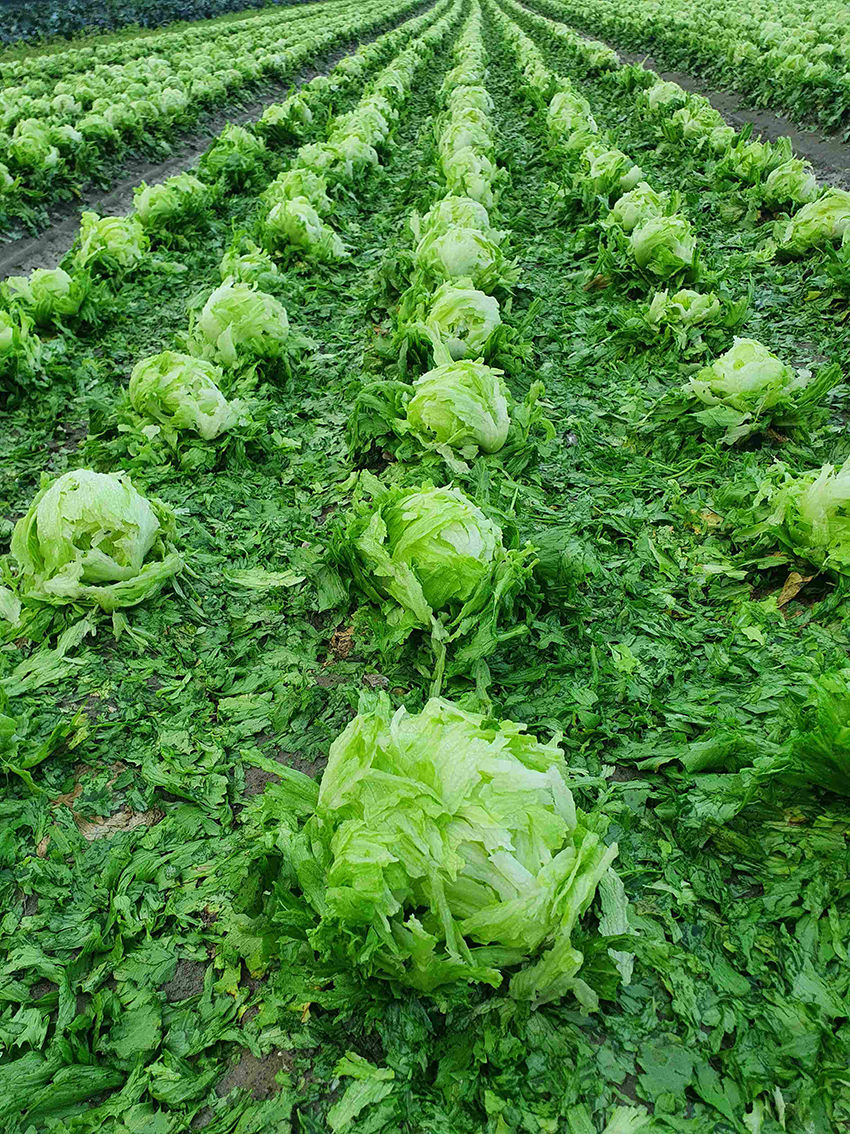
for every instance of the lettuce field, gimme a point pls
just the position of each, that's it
(424, 570)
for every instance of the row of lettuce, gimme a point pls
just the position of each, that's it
(763, 181)
(785, 54)
(61, 130)
(479, 861)
(452, 884)
(745, 390)
(85, 288)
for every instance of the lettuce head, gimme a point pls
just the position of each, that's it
(48, 294)
(820, 222)
(91, 538)
(181, 392)
(240, 323)
(446, 848)
(110, 244)
(461, 404)
(461, 319)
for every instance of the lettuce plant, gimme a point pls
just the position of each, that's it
(464, 253)
(455, 212)
(637, 206)
(236, 158)
(446, 848)
(110, 245)
(239, 323)
(48, 294)
(793, 182)
(808, 514)
(821, 222)
(463, 405)
(749, 388)
(664, 246)
(177, 201)
(299, 182)
(284, 122)
(247, 263)
(461, 320)
(429, 549)
(181, 392)
(296, 222)
(685, 307)
(20, 349)
(91, 538)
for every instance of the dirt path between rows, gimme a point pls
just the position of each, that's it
(829, 155)
(20, 255)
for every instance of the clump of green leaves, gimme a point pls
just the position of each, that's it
(447, 849)
(91, 538)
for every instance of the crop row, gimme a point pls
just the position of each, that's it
(793, 57)
(59, 134)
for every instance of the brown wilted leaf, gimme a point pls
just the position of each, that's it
(792, 587)
(375, 680)
(41, 849)
(125, 820)
(598, 283)
(342, 643)
(69, 797)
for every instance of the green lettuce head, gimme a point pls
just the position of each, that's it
(455, 212)
(817, 224)
(663, 245)
(637, 206)
(299, 182)
(175, 201)
(245, 262)
(608, 170)
(181, 392)
(91, 538)
(792, 182)
(470, 173)
(49, 294)
(296, 222)
(464, 253)
(461, 404)
(446, 848)
(352, 154)
(110, 244)
(810, 515)
(461, 320)
(240, 323)
(429, 549)
(286, 121)
(20, 349)
(664, 94)
(684, 308)
(236, 158)
(569, 118)
(747, 377)
(748, 387)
